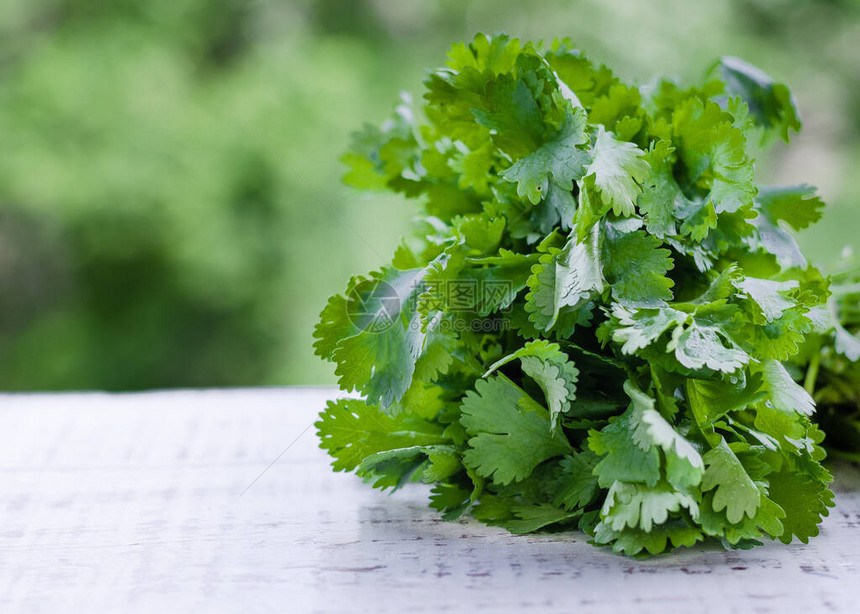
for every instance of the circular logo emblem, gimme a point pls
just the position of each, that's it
(372, 305)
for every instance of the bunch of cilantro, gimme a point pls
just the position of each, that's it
(591, 324)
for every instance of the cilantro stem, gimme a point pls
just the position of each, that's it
(812, 373)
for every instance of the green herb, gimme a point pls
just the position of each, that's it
(588, 327)
(828, 364)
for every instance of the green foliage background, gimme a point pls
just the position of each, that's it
(171, 212)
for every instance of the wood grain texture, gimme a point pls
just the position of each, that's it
(131, 503)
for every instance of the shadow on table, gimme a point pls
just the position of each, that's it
(404, 527)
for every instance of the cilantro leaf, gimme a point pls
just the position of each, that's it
(576, 484)
(805, 502)
(564, 279)
(350, 430)
(684, 464)
(797, 205)
(379, 357)
(662, 199)
(734, 489)
(529, 518)
(712, 399)
(634, 541)
(509, 433)
(637, 505)
(619, 170)
(771, 104)
(636, 329)
(699, 346)
(769, 295)
(513, 116)
(785, 394)
(623, 459)
(636, 267)
(551, 369)
(394, 468)
(560, 158)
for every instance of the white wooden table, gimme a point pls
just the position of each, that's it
(114, 503)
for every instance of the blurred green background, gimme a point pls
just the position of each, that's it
(170, 206)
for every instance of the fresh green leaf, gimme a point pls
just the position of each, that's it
(561, 158)
(510, 434)
(619, 170)
(734, 489)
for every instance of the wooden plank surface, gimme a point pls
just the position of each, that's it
(121, 503)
